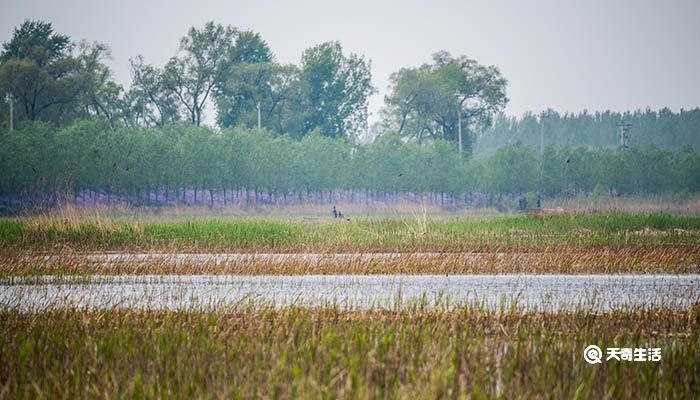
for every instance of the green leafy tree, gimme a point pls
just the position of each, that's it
(36, 67)
(256, 90)
(260, 92)
(193, 74)
(53, 80)
(246, 83)
(151, 103)
(426, 102)
(36, 41)
(336, 89)
(250, 48)
(513, 169)
(100, 95)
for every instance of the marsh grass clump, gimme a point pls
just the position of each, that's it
(293, 352)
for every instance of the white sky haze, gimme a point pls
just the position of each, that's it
(567, 55)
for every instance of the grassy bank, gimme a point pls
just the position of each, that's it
(328, 235)
(327, 352)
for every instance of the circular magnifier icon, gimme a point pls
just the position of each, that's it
(592, 354)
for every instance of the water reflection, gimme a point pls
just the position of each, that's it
(540, 292)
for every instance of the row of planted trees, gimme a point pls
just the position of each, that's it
(89, 161)
(663, 128)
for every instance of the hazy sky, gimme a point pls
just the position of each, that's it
(567, 55)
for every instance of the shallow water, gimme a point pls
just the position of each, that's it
(532, 292)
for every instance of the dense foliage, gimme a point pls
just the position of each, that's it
(91, 156)
(438, 100)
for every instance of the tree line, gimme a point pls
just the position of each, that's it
(56, 80)
(53, 79)
(663, 128)
(185, 163)
(289, 133)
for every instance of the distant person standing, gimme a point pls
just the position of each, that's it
(522, 204)
(335, 212)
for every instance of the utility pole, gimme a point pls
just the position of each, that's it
(259, 124)
(542, 117)
(624, 135)
(10, 100)
(459, 130)
(459, 120)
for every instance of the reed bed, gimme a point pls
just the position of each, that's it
(418, 234)
(327, 352)
(562, 259)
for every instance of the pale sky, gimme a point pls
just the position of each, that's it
(567, 55)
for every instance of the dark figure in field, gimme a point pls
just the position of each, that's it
(335, 212)
(522, 204)
(539, 203)
(340, 215)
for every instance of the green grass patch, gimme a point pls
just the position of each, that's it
(410, 234)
